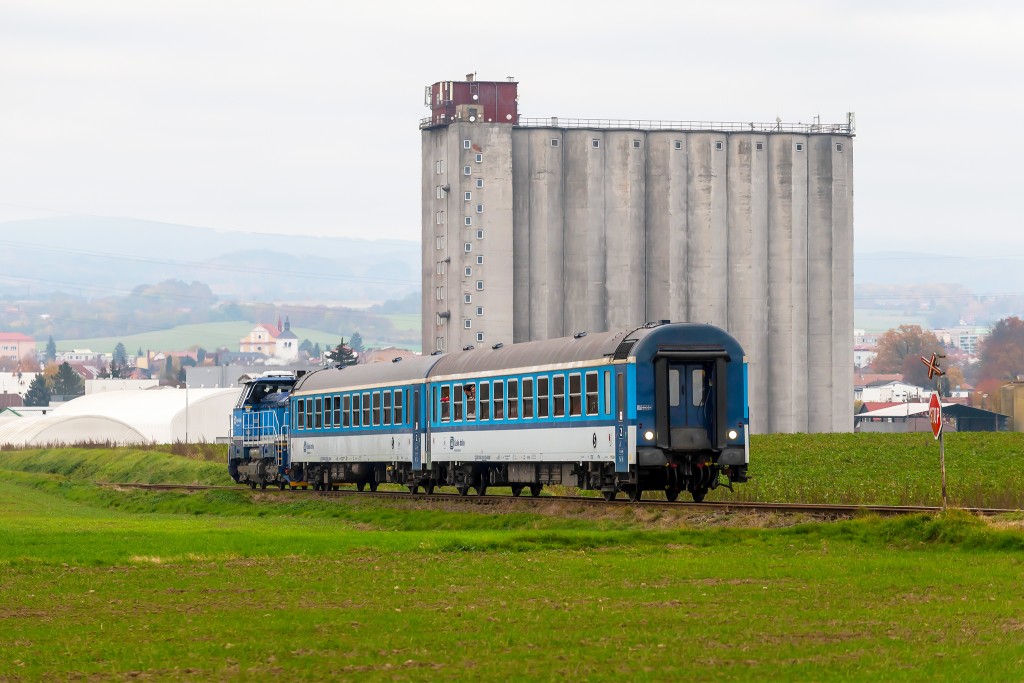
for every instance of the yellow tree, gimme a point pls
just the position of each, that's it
(900, 350)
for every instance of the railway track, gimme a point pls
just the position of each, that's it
(826, 510)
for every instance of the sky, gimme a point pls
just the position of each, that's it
(302, 117)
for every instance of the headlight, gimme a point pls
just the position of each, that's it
(733, 434)
(649, 436)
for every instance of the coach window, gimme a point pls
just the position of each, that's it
(366, 409)
(399, 417)
(356, 410)
(300, 415)
(542, 397)
(318, 413)
(457, 403)
(337, 411)
(575, 397)
(309, 413)
(527, 398)
(485, 400)
(513, 399)
(445, 403)
(499, 400)
(327, 412)
(697, 388)
(673, 388)
(387, 408)
(591, 393)
(346, 410)
(470, 389)
(607, 393)
(558, 389)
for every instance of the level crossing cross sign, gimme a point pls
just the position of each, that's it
(935, 414)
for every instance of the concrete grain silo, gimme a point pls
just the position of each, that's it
(588, 225)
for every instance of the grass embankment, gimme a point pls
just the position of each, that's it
(107, 584)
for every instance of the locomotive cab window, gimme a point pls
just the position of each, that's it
(485, 400)
(386, 401)
(346, 411)
(527, 398)
(542, 397)
(591, 388)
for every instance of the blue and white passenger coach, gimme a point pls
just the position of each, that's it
(660, 407)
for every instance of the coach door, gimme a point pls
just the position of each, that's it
(417, 420)
(621, 430)
(690, 398)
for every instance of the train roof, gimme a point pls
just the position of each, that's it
(331, 379)
(531, 354)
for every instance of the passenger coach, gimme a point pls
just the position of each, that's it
(661, 407)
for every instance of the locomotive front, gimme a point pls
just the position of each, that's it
(258, 454)
(692, 421)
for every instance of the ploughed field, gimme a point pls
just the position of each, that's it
(103, 583)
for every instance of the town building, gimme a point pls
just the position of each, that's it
(277, 341)
(15, 346)
(541, 228)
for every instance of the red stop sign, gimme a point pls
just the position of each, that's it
(935, 414)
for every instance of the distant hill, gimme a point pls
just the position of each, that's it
(100, 256)
(994, 275)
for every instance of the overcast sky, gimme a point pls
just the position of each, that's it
(302, 117)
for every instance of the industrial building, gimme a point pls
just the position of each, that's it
(540, 228)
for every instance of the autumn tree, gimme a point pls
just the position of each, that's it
(1002, 352)
(900, 351)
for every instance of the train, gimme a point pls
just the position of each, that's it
(659, 407)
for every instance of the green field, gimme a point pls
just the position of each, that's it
(212, 336)
(101, 583)
(873, 320)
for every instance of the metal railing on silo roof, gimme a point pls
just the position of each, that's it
(720, 126)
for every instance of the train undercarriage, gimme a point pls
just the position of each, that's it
(673, 474)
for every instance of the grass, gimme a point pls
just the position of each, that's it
(235, 585)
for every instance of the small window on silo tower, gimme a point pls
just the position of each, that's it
(554, 142)
(595, 143)
(466, 170)
(479, 158)
(799, 146)
(678, 144)
(466, 144)
(479, 183)
(479, 234)
(759, 146)
(469, 220)
(718, 145)
(469, 271)
(636, 144)
(479, 336)
(469, 196)
(839, 147)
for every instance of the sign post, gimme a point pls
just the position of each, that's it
(935, 414)
(935, 418)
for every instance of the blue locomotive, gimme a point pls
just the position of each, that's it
(662, 407)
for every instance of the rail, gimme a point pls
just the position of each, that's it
(847, 128)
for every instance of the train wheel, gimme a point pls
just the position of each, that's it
(609, 494)
(698, 494)
(263, 485)
(280, 486)
(517, 489)
(373, 486)
(413, 489)
(481, 489)
(636, 494)
(671, 495)
(428, 488)
(360, 485)
(463, 490)
(304, 488)
(252, 485)
(535, 489)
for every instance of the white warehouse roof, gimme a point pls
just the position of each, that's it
(125, 417)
